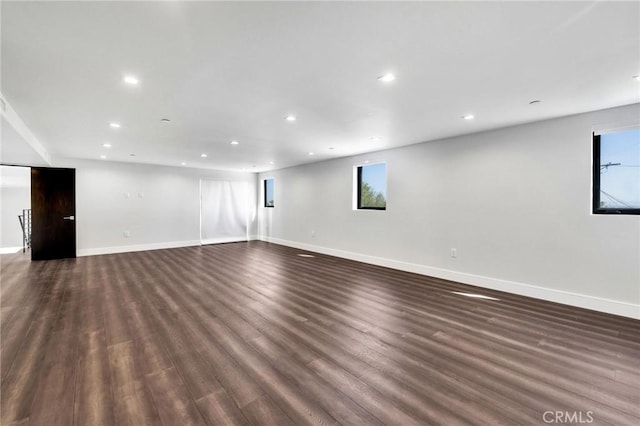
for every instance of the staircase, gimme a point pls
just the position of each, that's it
(25, 224)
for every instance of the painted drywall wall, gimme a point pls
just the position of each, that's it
(158, 206)
(514, 203)
(15, 195)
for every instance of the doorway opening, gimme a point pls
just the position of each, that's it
(15, 199)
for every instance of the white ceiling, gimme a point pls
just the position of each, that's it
(233, 70)
(15, 150)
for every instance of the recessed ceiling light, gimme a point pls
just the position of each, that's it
(183, 164)
(331, 148)
(132, 155)
(103, 157)
(106, 145)
(165, 120)
(468, 117)
(366, 162)
(375, 138)
(637, 77)
(386, 78)
(537, 101)
(203, 155)
(253, 165)
(115, 125)
(312, 153)
(235, 143)
(290, 118)
(271, 162)
(131, 79)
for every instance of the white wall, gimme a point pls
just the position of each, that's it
(15, 195)
(162, 209)
(514, 202)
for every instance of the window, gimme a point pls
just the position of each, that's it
(268, 193)
(372, 187)
(616, 172)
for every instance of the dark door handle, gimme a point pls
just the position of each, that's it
(69, 218)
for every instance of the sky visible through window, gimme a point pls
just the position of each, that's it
(373, 187)
(268, 193)
(620, 169)
(376, 176)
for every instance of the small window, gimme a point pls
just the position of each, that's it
(372, 187)
(268, 193)
(616, 172)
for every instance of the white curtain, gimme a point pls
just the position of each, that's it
(224, 208)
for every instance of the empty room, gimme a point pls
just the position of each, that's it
(334, 213)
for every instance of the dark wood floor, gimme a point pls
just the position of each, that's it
(253, 333)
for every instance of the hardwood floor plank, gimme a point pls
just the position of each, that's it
(236, 382)
(54, 398)
(175, 405)
(252, 333)
(196, 374)
(115, 320)
(233, 378)
(334, 402)
(134, 405)
(291, 399)
(58, 380)
(125, 363)
(93, 402)
(380, 406)
(23, 379)
(13, 333)
(218, 408)
(263, 411)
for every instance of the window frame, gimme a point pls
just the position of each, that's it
(358, 203)
(264, 196)
(595, 197)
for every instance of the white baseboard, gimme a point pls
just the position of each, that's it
(224, 240)
(154, 246)
(574, 299)
(137, 247)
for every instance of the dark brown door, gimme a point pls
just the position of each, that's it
(53, 210)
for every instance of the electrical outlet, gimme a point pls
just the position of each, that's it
(126, 234)
(454, 252)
